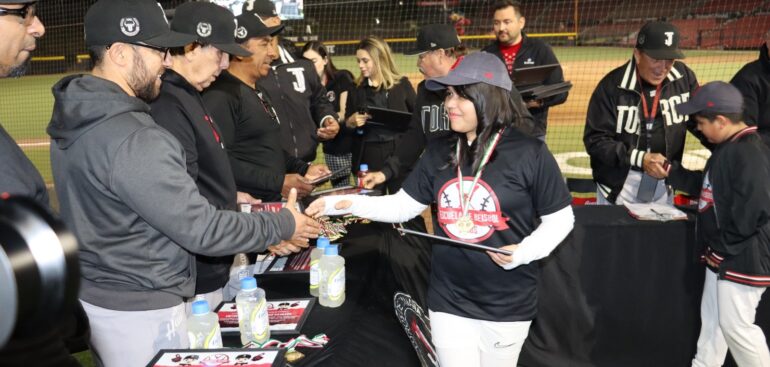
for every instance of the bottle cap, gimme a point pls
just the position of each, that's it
(322, 242)
(364, 167)
(248, 283)
(200, 307)
(331, 250)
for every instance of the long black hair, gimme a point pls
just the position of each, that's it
(329, 70)
(495, 111)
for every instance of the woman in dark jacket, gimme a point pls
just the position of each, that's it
(338, 84)
(379, 85)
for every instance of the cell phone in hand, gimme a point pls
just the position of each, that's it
(323, 178)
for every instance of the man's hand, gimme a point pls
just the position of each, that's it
(501, 259)
(653, 165)
(534, 103)
(357, 120)
(244, 198)
(373, 179)
(316, 170)
(305, 227)
(295, 181)
(330, 128)
(287, 248)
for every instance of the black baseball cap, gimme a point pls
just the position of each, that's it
(659, 40)
(210, 23)
(714, 97)
(131, 21)
(433, 37)
(250, 25)
(479, 67)
(263, 8)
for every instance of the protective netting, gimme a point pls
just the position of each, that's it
(589, 37)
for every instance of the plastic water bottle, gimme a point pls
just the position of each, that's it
(253, 321)
(203, 327)
(315, 257)
(332, 289)
(362, 171)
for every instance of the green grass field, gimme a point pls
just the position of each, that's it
(26, 103)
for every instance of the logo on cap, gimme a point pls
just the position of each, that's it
(669, 38)
(204, 29)
(641, 39)
(163, 12)
(241, 32)
(129, 26)
(432, 44)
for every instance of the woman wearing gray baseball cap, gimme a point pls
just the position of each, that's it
(487, 186)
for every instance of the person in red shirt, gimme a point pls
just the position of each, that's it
(517, 51)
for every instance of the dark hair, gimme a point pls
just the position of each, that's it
(329, 70)
(96, 55)
(502, 4)
(495, 110)
(457, 51)
(734, 117)
(177, 51)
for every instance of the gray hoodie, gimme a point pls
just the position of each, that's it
(124, 190)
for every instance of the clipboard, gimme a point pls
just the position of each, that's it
(389, 119)
(473, 246)
(533, 75)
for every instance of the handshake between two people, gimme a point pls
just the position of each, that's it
(656, 165)
(305, 227)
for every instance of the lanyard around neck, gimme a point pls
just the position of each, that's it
(465, 200)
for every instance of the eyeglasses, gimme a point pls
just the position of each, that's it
(27, 12)
(163, 50)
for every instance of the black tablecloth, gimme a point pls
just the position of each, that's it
(620, 292)
(616, 292)
(364, 331)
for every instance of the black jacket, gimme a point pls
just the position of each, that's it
(534, 52)
(180, 110)
(17, 174)
(400, 97)
(613, 129)
(753, 80)
(734, 227)
(252, 137)
(301, 104)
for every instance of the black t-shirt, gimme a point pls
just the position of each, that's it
(252, 137)
(520, 183)
(342, 82)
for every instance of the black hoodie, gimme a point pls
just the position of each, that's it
(125, 192)
(753, 80)
(180, 110)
